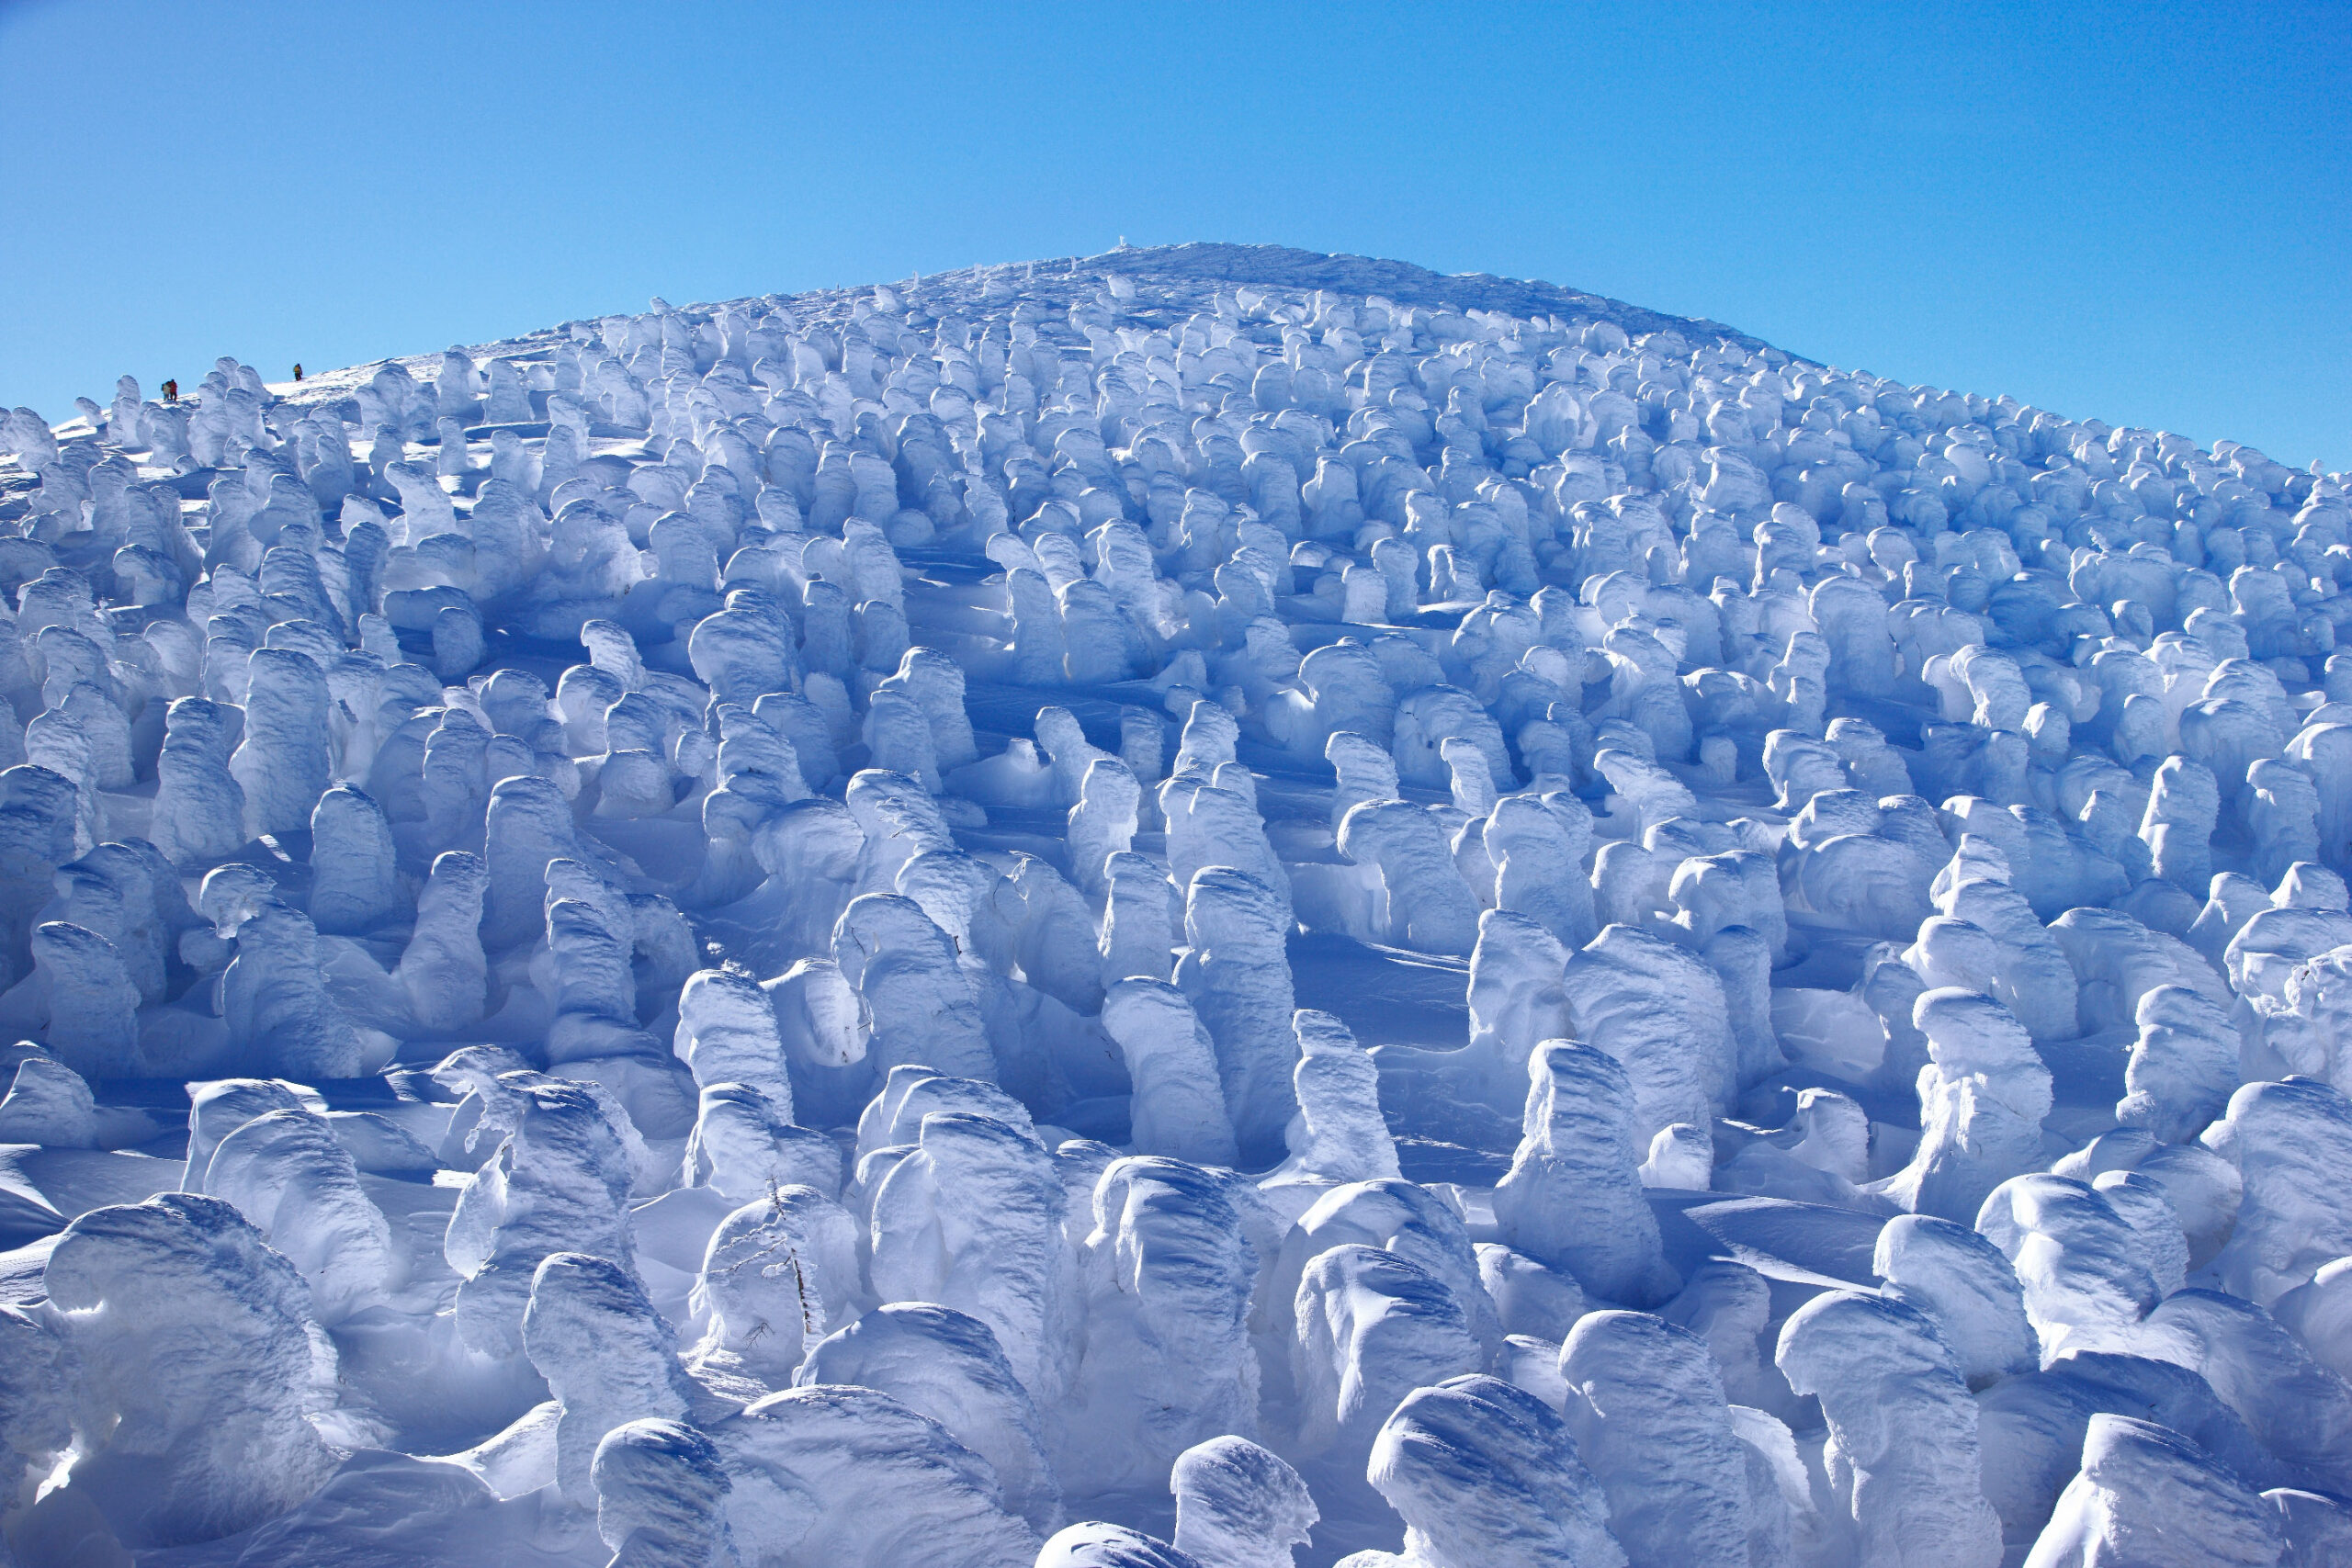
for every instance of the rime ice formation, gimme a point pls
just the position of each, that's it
(1647, 1408)
(1206, 908)
(1901, 1458)
(1982, 1100)
(1572, 1197)
(202, 1372)
(2145, 1494)
(604, 1352)
(1238, 1503)
(1483, 1472)
(1966, 1286)
(947, 1366)
(658, 1485)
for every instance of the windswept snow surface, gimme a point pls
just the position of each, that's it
(1208, 907)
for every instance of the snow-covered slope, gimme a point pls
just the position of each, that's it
(1209, 905)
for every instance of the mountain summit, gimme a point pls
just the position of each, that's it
(1208, 907)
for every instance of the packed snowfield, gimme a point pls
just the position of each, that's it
(1208, 907)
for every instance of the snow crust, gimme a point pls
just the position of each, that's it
(1196, 908)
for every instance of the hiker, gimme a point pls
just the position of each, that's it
(297, 372)
(171, 391)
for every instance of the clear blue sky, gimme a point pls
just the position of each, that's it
(2141, 213)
